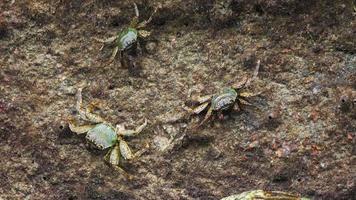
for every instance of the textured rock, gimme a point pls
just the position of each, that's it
(307, 79)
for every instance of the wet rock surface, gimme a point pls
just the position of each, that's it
(299, 137)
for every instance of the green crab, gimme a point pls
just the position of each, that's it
(104, 135)
(126, 41)
(264, 195)
(227, 99)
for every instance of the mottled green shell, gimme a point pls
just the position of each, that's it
(224, 100)
(127, 38)
(102, 135)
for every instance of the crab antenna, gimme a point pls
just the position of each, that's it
(136, 10)
(134, 20)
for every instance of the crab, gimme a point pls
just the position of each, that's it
(105, 136)
(229, 98)
(264, 195)
(126, 41)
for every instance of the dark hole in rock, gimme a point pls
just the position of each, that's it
(280, 178)
(111, 87)
(258, 9)
(250, 61)
(3, 32)
(115, 23)
(72, 198)
(197, 141)
(119, 21)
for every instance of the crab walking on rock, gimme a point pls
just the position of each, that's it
(126, 41)
(228, 98)
(104, 135)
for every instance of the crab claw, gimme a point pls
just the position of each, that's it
(240, 84)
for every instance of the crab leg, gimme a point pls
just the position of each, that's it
(144, 33)
(80, 102)
(113, 155)
(242, 101)
(113, 55)
(275, 195)
(125, 150)
(137, 13)
(79, 129)
(249, 94)
(121, 131)
(94, 118)
(81, 111)
(255, 73)
(240, 84)
(198, 109)
(139, 153)
(107, 41)
(144, 23)
(134, 21)
(87, 114)
(113, 158)
(203, 99)
(207, 116)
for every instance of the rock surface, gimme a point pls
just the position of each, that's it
(299, 137)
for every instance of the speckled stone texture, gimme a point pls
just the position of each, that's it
(298, 137)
